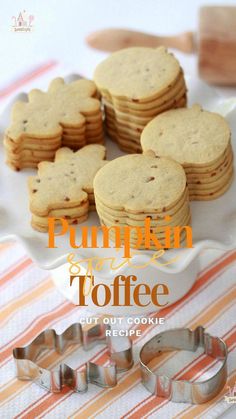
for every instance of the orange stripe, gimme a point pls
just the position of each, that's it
(202, 282)
(49, 360)
(26, 299)
(15, 386)
(194, 411)
(5, 246)
(210, 404)
(212, 312)
(23, 265)
(195, 372)
(190, 373)
(226, 259)
(229, 258)
(204, 364)
(98, 405)
(49, 400)
(149, 404)
(15, 271)
(41, 323)
(191, 370)
(26, 78)
(215, 261)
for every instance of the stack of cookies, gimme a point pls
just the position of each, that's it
(137, 84)
(64, 188)
(67, 114)
(201, 142)
(131, 189)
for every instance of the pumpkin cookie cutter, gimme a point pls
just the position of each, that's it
(77, 379)
(180, 390)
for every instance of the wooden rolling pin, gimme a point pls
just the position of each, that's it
(216, 43)
(114, 39)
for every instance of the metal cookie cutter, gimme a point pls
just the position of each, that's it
(181, 390)
(76, 379)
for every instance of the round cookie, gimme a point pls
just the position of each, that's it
(137, 73)
(211, 180)
(140, 183)
(160, 229)
(124, 141)
(193, 137)
(134, 243)
(130, 118)
(202, 196)
(127, 220)
(214, 168)
(160, 101)
(116, 119)
(150, 113)
(157, 215)
(125, 133)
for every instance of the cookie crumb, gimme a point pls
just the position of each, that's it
(150, 179)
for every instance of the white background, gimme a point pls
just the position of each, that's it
(60, 27)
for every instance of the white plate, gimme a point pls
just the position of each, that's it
(213, 222)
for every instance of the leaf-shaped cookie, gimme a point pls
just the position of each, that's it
(45, 113)
(66, 115)
(66, 183)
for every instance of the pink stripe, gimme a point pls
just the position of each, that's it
(26, 78)
(192, 293)
(15, 270)
(187, 367)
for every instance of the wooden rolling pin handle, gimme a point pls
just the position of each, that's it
(183, 42)
(115, 39)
